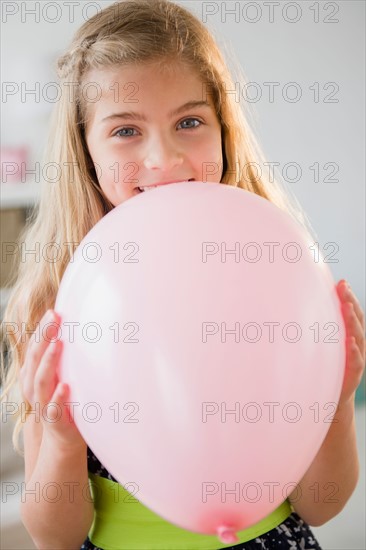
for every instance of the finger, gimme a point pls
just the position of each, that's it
(346, 294)
(46, 330)
(353, 371)
(45, 380)
(353, 325)
(56, 409)
(355, 361)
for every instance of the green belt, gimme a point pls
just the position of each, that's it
(121, 522)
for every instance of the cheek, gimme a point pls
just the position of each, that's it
(211, 150)
(118, 173)
(216, 154)
(213, 141)
(106, 166)
(95, 158)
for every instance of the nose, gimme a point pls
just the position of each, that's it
(162, 154)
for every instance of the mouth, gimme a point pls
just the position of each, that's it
(150, 187)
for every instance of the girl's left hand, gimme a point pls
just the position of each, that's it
(354, 321)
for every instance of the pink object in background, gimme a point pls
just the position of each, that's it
(13, 163)
(204, 348)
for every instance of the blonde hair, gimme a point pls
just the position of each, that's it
(129, 31)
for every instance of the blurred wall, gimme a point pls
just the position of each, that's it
(305, 63)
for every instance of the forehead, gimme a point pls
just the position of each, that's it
(145, 73)
(136, 86)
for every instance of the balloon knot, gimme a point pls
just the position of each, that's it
(226, 534)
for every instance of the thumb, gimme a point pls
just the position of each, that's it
(56, 410)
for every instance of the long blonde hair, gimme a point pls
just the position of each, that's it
(129, 31)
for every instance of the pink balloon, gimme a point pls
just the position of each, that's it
(208, 352)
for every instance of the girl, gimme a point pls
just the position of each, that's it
(144, 102)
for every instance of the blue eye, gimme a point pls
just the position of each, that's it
(118, 133)
(190, 120)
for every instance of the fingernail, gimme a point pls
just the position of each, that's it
(346, 285)
(56, 345)
(49, 315)
(53, 347)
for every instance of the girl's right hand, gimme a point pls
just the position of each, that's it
(41, 387)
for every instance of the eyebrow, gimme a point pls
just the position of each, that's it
(135, 116)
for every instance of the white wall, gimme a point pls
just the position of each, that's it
(308, 132)
(303, 132)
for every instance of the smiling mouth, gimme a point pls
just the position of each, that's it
(150, 187)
